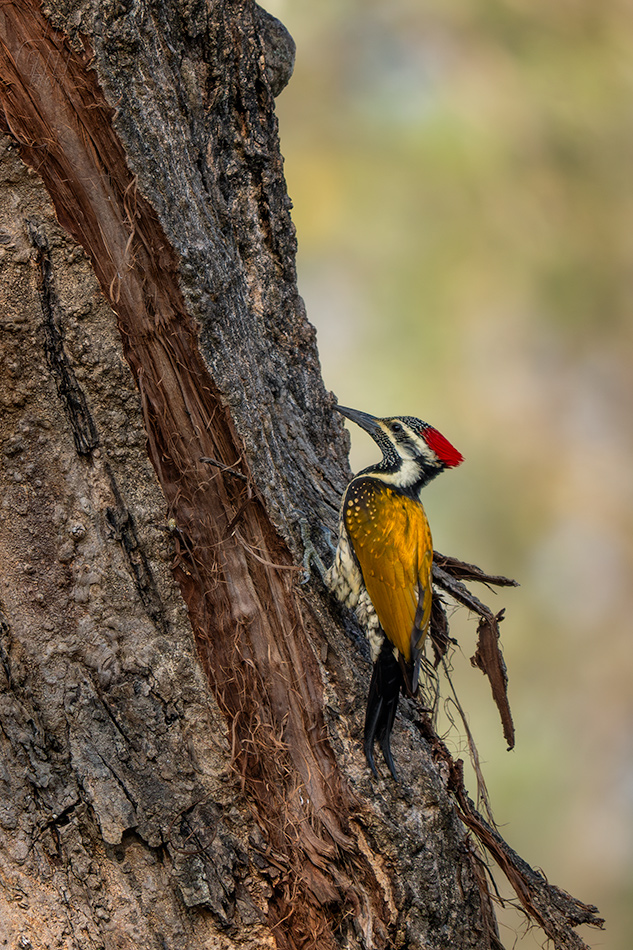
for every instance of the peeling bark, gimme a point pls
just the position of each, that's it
(447, 574)
(179, 716)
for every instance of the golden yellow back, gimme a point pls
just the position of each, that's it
(392, 541)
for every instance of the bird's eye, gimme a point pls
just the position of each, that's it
(396, 427)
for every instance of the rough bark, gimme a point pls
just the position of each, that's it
(179, 716)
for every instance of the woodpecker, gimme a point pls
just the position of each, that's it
(383, 560)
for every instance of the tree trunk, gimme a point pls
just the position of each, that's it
(180, 718)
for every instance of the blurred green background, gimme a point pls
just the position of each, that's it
(462, 187)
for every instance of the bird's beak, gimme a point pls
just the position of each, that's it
(362, 419)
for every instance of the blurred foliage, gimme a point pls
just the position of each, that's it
(461, 175)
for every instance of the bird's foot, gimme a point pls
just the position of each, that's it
(311, 557)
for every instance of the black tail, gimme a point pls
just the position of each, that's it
(384, 691)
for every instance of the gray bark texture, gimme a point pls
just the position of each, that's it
(181, 718)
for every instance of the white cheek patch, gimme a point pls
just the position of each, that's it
(406, 451)
(416, 447)
(428, 453)
(407, 474)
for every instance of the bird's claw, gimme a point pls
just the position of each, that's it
(311, 556)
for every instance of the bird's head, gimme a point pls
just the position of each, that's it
(413, 452)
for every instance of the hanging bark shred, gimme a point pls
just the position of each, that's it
(552, 908)
(488, 657)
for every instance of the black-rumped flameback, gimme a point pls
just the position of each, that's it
(383, 561)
